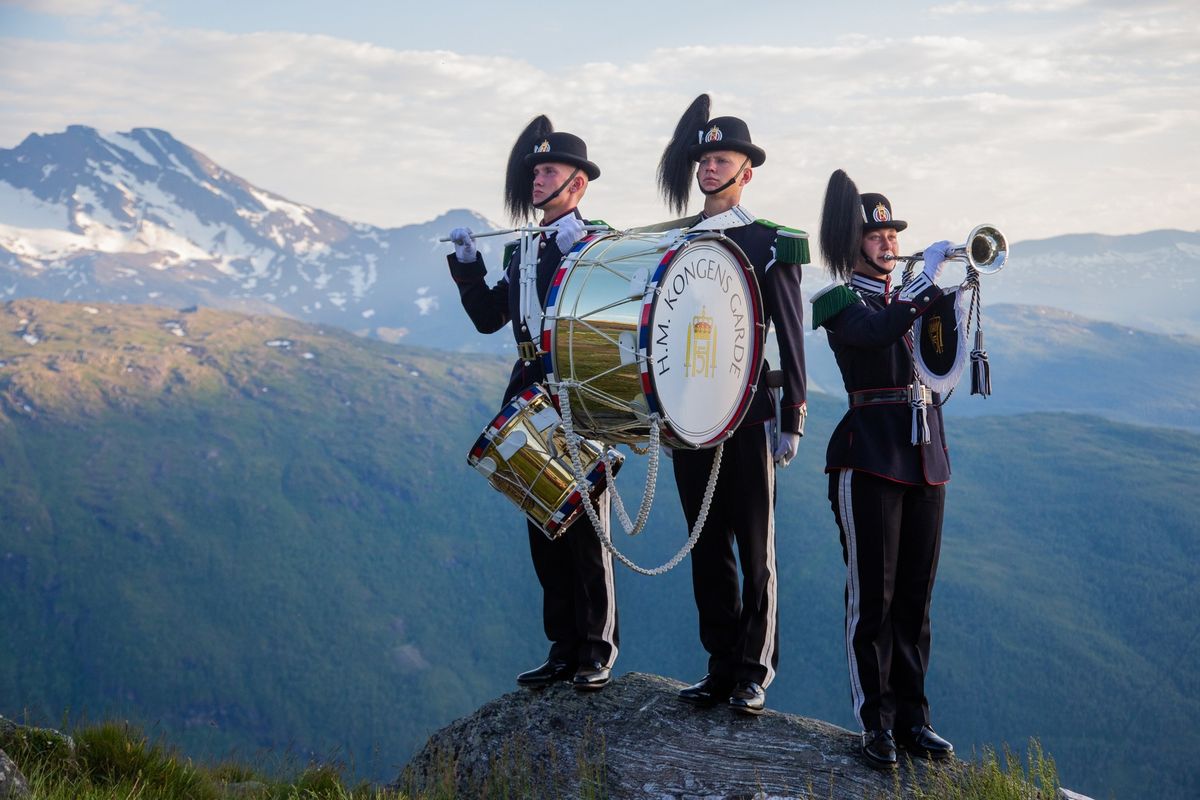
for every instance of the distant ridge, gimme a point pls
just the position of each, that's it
(140, 217)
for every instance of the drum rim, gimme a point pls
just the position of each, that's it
(510, 409)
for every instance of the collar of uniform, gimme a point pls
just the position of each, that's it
(548, 222)
(869, 285)
(735, 217)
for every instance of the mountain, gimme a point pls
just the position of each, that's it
(251, 532)
(1046, 359)
(140, 217)
(1144, 280)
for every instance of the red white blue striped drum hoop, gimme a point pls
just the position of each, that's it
(633, 329)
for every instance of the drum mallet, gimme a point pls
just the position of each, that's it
(530, 229)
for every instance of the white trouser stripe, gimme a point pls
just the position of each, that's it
(768, 652)
(610, 587)
(846, 517)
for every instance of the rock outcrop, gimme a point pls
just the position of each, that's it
(13, 785)
(636, 740)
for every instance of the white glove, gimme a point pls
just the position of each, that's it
(464, 245)
(568, 231)
(935, 257)
(785, 451)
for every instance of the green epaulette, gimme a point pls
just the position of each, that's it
(791, 244)
(830, 301)
(510, 250)
(597, 222)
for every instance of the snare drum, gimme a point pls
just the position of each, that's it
(637, 324)
(523, 454)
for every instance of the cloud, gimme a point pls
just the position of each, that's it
(1013, 6)
(1022, 126)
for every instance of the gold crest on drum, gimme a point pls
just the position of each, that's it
(523, 454)
(641, 324)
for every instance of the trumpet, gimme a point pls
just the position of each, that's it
(985, 251)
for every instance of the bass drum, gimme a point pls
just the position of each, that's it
(641, 324)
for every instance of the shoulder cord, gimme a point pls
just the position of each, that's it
(647, 498)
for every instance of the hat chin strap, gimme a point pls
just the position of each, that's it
(559, 190)
(727, 183)
(872, 264)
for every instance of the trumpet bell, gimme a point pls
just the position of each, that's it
(986, 249)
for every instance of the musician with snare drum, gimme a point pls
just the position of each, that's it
(548, 172)
(739, 626)
(888, 465)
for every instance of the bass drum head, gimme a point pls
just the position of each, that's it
(701, 335)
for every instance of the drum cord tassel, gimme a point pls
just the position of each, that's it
(920, 418)
(647, 498)
(981, 370)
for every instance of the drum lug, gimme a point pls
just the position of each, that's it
(628, 347)
(637, 284)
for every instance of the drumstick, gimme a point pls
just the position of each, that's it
(531, 229)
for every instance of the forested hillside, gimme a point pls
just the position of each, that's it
(251, 533)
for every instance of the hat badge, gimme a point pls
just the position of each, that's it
(714, 135)
(881, 213)
(544, 147)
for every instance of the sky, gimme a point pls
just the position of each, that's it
(1043, 118)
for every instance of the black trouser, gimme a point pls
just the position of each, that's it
(740, 630)
(891, 538)
(579, 603)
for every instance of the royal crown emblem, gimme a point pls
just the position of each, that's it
(881, 213)
(700, 358)
(714, 135)
(544, 147)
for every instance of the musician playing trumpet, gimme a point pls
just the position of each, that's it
(548, 172)
(888, 464)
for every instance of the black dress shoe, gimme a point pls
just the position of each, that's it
(708, 692)
(921, 741)
(748, 698)
(879, 748)
(552, 671)
(590, 676)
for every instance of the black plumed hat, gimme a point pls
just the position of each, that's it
(675, 167)
(562, 148)
(877, 213)
(518, 179)
(697, 134)
(841, 225)
(538, 144)
(727, 133)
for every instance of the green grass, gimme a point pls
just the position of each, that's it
(117, 761)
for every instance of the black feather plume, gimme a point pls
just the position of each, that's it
(841, 225)
(518, 179)
(676, 168)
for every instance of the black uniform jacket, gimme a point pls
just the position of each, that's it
(490, 309)
(783, 306)
(868, 342)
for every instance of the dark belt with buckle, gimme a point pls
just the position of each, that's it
(527, 351)
(883, 397)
